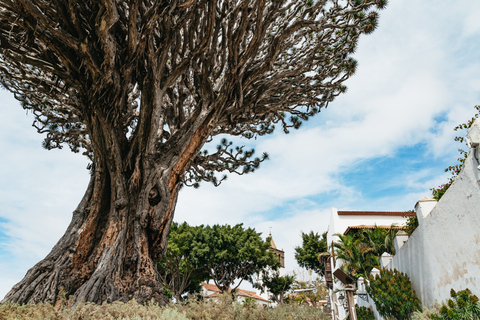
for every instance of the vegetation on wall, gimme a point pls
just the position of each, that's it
(411, 224)
(437, 193)
(393, 295)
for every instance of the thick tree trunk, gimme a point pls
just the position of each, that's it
(107, 253)
(118, 230)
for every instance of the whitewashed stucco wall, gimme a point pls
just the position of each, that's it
(339, 224)
(444, 251)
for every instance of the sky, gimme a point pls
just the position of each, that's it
(381, 146)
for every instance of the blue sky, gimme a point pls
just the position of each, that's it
(381, 146)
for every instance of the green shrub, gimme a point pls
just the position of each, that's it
(393, 295)
(364, 313)
(462, 305)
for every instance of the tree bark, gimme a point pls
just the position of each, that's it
(120, 227)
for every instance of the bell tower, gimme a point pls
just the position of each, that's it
(279, 253)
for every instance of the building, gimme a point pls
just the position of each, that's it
(343, 222)
(279, 253)
(210, 291)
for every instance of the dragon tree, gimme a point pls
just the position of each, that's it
(140, 87)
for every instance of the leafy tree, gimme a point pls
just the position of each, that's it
(358, 257)
(438, 193)
(380, 239)
(277, 285)
(233, 253)
(307, 254)
(179, 269)
(139, 87)
(361, 250)
(393, 295)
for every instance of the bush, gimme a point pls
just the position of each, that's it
(364, 313)
(393, 295)
(462, 305)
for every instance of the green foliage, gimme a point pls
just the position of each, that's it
(180, 270)
(307, 254)
(276, 284)
(438, 192)
(463, 306)
(364, 313)
(361, 250)
(393, 295)
(221, 253)
(411, 224)
(249, 303)
(231, 253)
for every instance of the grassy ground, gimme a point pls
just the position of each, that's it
(222, 308)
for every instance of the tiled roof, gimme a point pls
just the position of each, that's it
(210, 287)
(363, 226)
(376, 213)
(240, 292)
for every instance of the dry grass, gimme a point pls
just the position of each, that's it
(221, 309)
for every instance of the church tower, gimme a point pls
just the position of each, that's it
(281, 256)
(279, 253)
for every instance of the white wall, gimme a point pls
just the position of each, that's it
(338, 225)
(444, 251)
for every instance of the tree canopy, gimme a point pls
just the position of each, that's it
(234, 253)
(222, 253)
(276, 284)
(180, 270)
(154, 68)
(140, 87)
(361, 250)
(307, 254)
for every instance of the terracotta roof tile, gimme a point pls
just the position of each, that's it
(376, 213)
(240, 292)
(210, 287)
